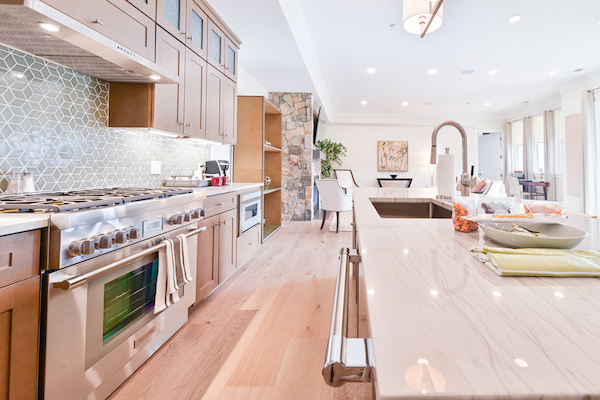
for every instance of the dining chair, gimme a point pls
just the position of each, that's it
(514, 188)
(496, 189)
(333, 199)
(346, 179)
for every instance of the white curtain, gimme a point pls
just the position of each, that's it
(527, 144)
(549, 156)
(507, 142)
(591, 151)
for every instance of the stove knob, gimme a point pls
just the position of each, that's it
(119, 237)
(202, 212)
(81, 247)
(133, 233)
(176, 219)
(103, 241)
(187, 217)
(195, 214)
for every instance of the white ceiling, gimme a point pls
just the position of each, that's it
(329, 44)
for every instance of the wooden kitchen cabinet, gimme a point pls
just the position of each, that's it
(148, 7)
(195, 96)
(216, 46)
(217, 249)
(171, 16)
(231, 60)
(197, 35)
(118, 20)
(19, 314)
(221, 107)
(207, 273)
(227, 244)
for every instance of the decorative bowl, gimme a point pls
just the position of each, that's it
(552, 236)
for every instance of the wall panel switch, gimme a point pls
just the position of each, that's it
(155, 167)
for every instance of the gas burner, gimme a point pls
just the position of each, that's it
(83, 199)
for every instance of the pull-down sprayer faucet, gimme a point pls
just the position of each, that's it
(466, 183)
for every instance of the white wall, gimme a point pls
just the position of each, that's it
(248, 86)
(361, 140)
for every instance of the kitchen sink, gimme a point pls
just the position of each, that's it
(411, 210)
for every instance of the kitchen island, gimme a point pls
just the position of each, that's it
(444, 325)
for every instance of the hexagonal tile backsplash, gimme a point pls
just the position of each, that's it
(53, 122)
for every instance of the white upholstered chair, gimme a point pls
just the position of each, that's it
(333, 199)
(514, 188)
(496, 189)
(346, 179)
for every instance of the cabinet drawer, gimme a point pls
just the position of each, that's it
(220, 203)
(116, 19)
(19, 257)
(247, 244)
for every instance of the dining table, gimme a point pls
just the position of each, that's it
(530, 186)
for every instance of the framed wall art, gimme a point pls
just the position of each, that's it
(392, 156)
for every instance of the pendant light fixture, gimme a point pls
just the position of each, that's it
(422, 16)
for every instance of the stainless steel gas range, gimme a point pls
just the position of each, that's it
(98, 319)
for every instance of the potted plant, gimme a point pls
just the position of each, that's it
(333, 154)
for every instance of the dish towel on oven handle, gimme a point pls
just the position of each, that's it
(173, 272)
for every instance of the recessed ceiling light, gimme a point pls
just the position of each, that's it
(553, 73)
(405, 103)
(514, 18)
(432, 71)
(493, 72)
(578, 70)
(49, 27)
(428, 104)
(392, 25)
(525, 102)
(559, 294)
(364, 102)
(433, 293)
(371, 70)
(521, 363)
(154, 77)
(486, 104)
(468, 71)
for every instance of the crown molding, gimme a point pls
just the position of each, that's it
(592, 77)
(538, 107)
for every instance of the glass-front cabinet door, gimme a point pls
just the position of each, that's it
(216, 46)
(231, 60)
(171, 16)
(197, 23)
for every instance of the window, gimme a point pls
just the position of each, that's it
(559, 137)
(537, 137)
(517, 145)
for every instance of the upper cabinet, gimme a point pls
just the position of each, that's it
(148, 7)
(118, 20)
(197, 23)
(216, 46)
(171, 16)
(231, 59)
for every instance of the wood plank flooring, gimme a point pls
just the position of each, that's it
(262, 334)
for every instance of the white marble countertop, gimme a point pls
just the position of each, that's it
(234, 187)
(444, 325)
(16, 223)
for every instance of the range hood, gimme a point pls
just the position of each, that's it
(76, 46)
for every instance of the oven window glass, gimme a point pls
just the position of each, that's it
(250, 211)
(128, 298)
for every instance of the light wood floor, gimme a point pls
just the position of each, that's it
(262, 334)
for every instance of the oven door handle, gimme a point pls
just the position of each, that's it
(78, 280)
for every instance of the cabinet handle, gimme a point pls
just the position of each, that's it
(219, 205)
(224, 223)
(250, 244)
(180, 123)
(97, 22)
(190, 38)
(188, 125)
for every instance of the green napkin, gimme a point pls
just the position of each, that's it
(539, 262)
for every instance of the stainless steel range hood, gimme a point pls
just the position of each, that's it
(76, 46)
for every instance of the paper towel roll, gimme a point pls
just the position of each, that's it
(445, 175)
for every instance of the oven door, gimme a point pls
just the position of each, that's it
(99, 332)
(250, 215)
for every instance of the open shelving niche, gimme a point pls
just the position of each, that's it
(258, 122)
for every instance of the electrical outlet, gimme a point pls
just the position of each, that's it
(155, 167)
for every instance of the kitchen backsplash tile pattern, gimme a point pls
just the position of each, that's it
(53, 122)
(297, 146)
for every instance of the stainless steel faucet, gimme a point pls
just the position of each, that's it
(466, 183)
